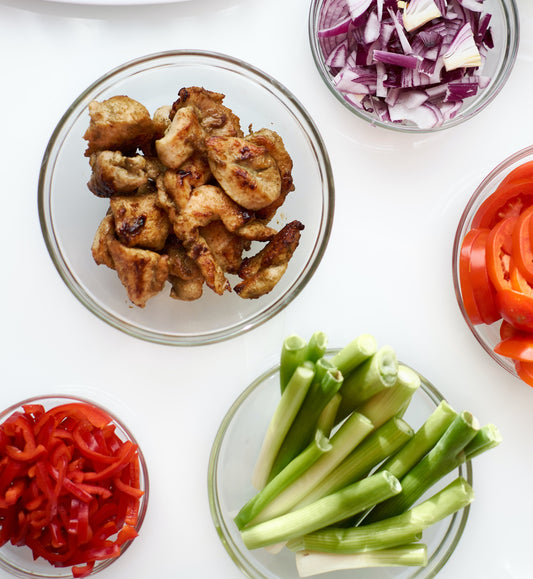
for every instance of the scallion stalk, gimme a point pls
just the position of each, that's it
(316, 347)
(488, 437)
(394, 530)
(355, 353)
(293, 354)
(352, 431)
(378, 372)
(392, 401)
(309, 563)
(303, 428)
(377, 446)
(326, 420)
(446, 455)
(324, 512)
(423, 441)
(284, 415)
(287, 476)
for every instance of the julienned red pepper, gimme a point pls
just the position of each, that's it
(69, 486)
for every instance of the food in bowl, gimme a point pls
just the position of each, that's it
(496, 263)
(188, 194)
(72, 488)
(418, 63)
(341, 478)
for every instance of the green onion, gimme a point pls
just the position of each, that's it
(316, 347)
(394, 530)
(286, 410)
(355, 353)
(423, 441)
(446, 455)
(392, 401)
(352, 431)
(309, 563)
(488, 437)
(378, 372)
(303, 428)
(326, 420)
(347, 502)
(377, 446)
(293, 354)
(288, 475)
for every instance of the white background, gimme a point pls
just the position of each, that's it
(387, 270)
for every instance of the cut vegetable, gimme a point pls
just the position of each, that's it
(69, 485)
(393, 51)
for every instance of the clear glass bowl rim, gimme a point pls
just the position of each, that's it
(496, 175)
(510, 10)
(140, 64)
(57, 399)
(240, 559)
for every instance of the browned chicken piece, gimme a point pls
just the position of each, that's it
(186, 290)
(142, 272)
(248, 173)
(140, 221)
(214, 276)
(161, 121)
(183, 137)
(104, 233)
(208, 203)
(119, 123)
(273, 143)
(227, 247)
(263, 271)
(178, 184)
(184, 274)
(115, 174)
(215, 118)
(256, 230)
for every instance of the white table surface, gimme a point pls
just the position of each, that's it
(387, 271)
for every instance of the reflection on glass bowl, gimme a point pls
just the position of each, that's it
(70, 213)
(18, 560)
(497, 66)
(231, 463)
(487, 335)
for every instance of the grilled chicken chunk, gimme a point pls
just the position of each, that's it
(263, 271)
(142, 272)
(248, 173)
(214, 117)
(119, 123)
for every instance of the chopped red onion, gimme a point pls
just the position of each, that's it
(420, 76)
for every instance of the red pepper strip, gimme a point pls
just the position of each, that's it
(79, 571)
(81, 436)
(127, 489)
(31, 450)
(45, 485)
(127, 533)
(35, 411)
(95, 490)
(84, 530)
(13, 494)
(80, 411)
(71, 487)
(124, 456)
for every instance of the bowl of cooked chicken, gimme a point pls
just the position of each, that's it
(186, 197)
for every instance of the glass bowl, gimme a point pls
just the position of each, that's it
(233, 455)
(70, 214)
(488, 335)
(498, 65)
(18, 560)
